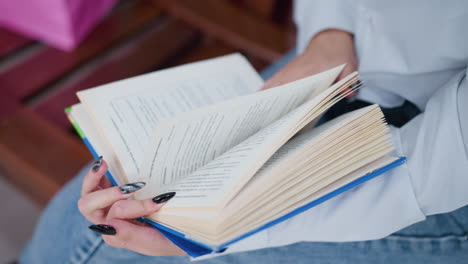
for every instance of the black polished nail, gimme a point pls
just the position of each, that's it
(103, 229)
(163, 197)
(97, 164)
(132, 187)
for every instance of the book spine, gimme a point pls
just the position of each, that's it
(91, 149)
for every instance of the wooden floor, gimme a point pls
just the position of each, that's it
(37, 145)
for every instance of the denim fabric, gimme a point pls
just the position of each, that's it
(62, 236)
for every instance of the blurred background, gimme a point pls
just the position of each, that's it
(46, 57)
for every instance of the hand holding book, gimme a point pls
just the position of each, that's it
(227, 151)
(327, 49)
(113, 216)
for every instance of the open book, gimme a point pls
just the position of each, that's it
(239, 160)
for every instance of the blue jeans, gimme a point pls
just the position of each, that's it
(62, 236)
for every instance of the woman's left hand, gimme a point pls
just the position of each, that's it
(113, 216)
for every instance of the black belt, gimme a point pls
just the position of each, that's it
(397, 116)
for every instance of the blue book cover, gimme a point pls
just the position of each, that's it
(195, 248)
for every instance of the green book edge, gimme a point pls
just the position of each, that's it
(74, 124)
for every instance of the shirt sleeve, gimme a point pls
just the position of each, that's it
(314, 16)
(436, 144)
(433, 181)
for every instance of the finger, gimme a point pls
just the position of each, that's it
(130, 209)
(142, 239)
(105, 183)
(349, 92)
(94, 176)
(104, 198)
(348, 69)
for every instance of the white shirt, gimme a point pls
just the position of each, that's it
(420, 41)
(414, 50)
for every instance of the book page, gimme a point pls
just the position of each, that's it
(191, 140)
(317, 159)
(216, 183)
(349, 133)
(213, 184)
(128, 111)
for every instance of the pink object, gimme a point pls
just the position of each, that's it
(60, 23)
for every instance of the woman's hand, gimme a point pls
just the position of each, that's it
(326, 50)
(113, 216)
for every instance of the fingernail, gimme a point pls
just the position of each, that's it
(103, 229)
(163, 197)
(132, 187)
(97, 164)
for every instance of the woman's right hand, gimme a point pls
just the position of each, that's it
(326, 50)
(114, 217)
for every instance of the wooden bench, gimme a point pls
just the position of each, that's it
(38, 150)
